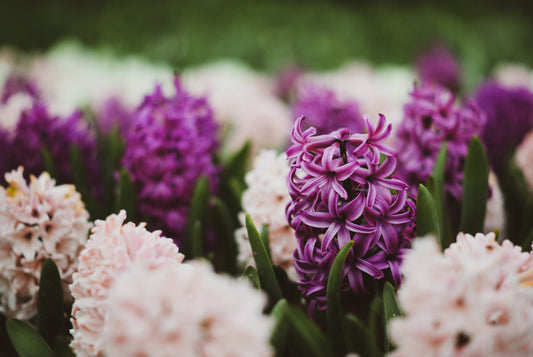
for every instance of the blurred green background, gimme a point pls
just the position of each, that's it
(269, 34)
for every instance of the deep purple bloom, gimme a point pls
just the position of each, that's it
(342, 190)
(112, 112)
(430, 119)
(17, 84)
(439, 66)
(509, 114)
(169, 147)
(325, 112)
(37, 129)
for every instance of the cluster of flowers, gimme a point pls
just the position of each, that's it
(342, 190)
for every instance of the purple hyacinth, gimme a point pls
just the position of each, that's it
(17, 84)
(112, 112)
(430, 119)
(325, 112)
(439, 66)
(509, 114)
(342, 190)
(37, 129)
(169, 147)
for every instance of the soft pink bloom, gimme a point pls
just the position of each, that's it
(265, 200)
(37, 221)
(474, 300)
(524, 158)
(185, 310)
(514, 75)
(112, 248)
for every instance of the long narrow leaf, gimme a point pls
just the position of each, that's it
(333, 299)
(280, 333)
(197, 241)
(197, 212)
(266, 240)
(391, 309)
(50, 305)
(427, 219)
(359, 339)
(263, 263)
(126, 194)
(475, 188)
(48, 161)
(226, 246)
(252, 275)
(26, 340)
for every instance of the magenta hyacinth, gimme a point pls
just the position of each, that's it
(430, 119)
(342, 190)
(38, 129)
(18, 84)
(439, 66)
(168, 148)
(509, 114)
(325, 112)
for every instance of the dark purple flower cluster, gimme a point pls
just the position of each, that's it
(509, 114)
(37, 129)
(325, 112)
(430, 119)
(112, 112)
(342, 190)
(168, 148)
(438, 65)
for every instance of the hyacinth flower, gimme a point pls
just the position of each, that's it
(431, 119)
(37, 130)
(439, 66)
(509, 113)
(325, 112)
(168, 148)
(342, 190)
(18, 85)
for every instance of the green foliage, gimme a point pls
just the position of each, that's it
(265, 271)
(50, 305)
(475, 188)
(334, 309)
(27, 340)
(126, 195)
(427, 218)
(196, 218)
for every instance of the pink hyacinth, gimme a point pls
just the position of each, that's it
(37, 221)
(185, 310)
(474, 300)
(265, 200)
(112, 248)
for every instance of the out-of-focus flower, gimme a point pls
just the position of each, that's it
(524, 159)
(513, 75)
(37, 129)
(17, 95)
(112, 112)
(430, 119)
(244, 103)
(325, 112)
(70, 76)
(439, 66)
(174, 314)
(169, 147)
(509, 114)
(495, 214)
(342, 190)
(286, 82)
(111, 250)
(37, 221)
(475, 300)
(265, 200)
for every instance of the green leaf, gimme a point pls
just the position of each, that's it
(197, 212)
(263, 263)
(237, 165)
(197, 241)
(27, 340)
(333, 299)
(226, 246)
(280, 333)
(475, 188)
(48, 161)
(359, 339)
(62, 348)
(435, 186)
(126, 194)
(50, 305)
(391, 309)
(252, 275)
(310, 341)
(266, 240)
(427, 218)
(81, 180)
(376, 322)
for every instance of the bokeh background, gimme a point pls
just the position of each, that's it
(269, 34)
